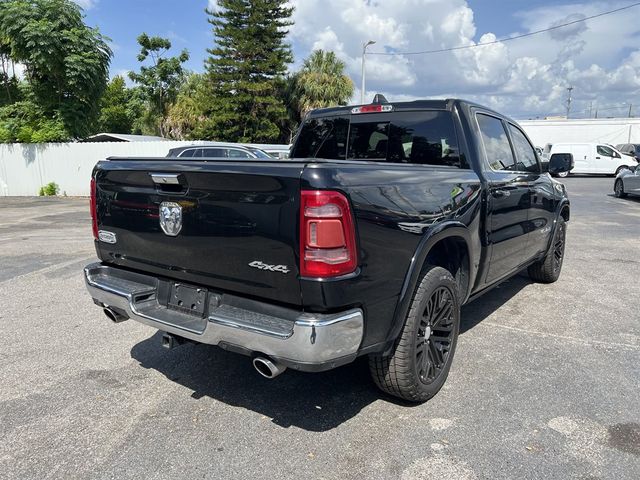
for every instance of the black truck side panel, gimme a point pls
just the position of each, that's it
(395, 206)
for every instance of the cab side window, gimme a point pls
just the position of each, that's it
(238, 154)
(605, 151)
(214, 153)
(526, 156)
(496, 143)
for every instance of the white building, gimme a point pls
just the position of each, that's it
(588, 130)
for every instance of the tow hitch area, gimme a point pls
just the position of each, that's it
(172, 341)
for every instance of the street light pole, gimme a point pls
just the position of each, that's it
(569, 89)
(364, 54)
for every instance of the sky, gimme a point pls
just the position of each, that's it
(524, 78)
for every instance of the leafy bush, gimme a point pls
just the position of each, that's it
(24, 122)
(51, 189)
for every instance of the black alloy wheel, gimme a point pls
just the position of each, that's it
(435, 334)
(558, 247)
(548, 269)
(419, 363)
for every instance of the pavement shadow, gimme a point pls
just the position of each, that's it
(312, 401)
(475, 312)
(628, 198)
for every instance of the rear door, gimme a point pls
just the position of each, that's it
(632, 182)
(238, 222)
(583, 157)
(542, 196)
(508, 200)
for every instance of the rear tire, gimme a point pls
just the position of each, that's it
(422, 355)
(618, 189)
(548, 269)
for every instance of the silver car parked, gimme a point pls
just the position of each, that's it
(236, 152)
(627, 182)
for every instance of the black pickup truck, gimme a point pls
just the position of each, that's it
(387, 218)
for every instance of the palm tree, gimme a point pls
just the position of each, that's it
(320, 83)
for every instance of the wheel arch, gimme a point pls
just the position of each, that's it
(436, 248)
(563, 211)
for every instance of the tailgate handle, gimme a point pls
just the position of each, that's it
(165, 178)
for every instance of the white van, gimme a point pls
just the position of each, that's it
(591, 157)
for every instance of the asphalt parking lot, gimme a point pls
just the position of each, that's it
(545, 383)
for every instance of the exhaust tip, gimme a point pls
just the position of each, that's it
(114, 316)
(268, 368)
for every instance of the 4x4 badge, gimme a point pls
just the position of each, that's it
(271, 268)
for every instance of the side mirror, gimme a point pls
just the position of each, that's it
(616, 155)
(560, 163)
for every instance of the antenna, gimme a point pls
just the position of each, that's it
(379, 99)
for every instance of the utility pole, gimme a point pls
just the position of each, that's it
(630, 107)
(364, 54)
(569, 101)
(590, 107)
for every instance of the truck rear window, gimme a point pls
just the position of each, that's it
(426, 137)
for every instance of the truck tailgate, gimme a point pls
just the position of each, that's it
(238, 228)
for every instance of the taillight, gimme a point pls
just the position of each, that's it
(327, 234)
(372, 109)
(92, 206)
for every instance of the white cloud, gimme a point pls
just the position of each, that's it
(86, 4)
(600, 58)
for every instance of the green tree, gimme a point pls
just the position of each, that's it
(116, 115)
(66, 63)
(320, 83)
(160, 81)
(9, 91)
(244, 70)
(187, 112)
(24, 121)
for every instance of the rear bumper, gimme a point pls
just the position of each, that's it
(304, 341)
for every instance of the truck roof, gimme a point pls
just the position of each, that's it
(434, 104)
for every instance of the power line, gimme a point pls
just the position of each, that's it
(502, 40)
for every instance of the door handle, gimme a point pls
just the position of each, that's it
(501, 193)
(597, 158)
(165, 178)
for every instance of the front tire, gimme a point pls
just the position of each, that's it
(548, 269)
(422, 355)
(618, 189)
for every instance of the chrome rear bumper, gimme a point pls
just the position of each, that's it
(306, 341)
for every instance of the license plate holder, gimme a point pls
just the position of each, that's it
(187, 299)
